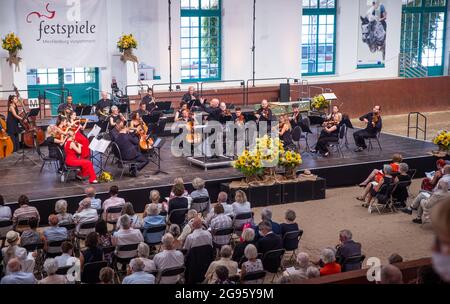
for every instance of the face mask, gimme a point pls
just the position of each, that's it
(441, 264)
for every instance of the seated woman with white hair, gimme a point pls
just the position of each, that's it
(143, 252)
(136, 221)
(200, 192)
(155, 198)
(252, 264)
(328, 257)
(64, 218)
(225, 260)
(379, 190)
(50, 268)
(152, 219)
(303, 264)
(247, 237)
(241, 204)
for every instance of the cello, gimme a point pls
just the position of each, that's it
(6, 143)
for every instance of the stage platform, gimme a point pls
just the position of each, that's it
(45, 188)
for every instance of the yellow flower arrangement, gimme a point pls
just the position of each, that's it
(11, 43)
(319, 103)
(442, 139)
(249, 163)
(105, 177)
(291, 160)
(126, 42)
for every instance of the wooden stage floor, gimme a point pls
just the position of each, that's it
(24, 178)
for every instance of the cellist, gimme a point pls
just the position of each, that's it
(13, 121)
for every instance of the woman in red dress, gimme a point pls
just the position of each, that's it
(78, 127)
(73, 149)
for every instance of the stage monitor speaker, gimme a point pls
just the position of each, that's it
(285, 92)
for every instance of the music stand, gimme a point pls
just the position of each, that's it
(164, 106)
(123, 108)
(250, 116)
(83, 110)
(157, 145)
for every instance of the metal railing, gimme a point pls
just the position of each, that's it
(409, 67)
(241, 86)
(416, 126)
(140, 86)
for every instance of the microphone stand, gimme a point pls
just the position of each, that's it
(253, 46)
(170, 46)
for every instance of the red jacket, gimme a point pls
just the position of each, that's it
(330, 268)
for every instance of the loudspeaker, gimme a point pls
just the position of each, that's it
(285, 92)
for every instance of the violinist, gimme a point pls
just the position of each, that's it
(374, 125)
(13, 121)
(77, 125)
(264, 113)
(129, 149)
(55, 140)
(190, 97)
(149, 101)
(103, 107)
(115, 115)
(67, 107)
(239, 117)
(73, 149)
(225, 114)
(285, 132)
(329, 133)
(178, 114)
(296, 118)
(142, 110)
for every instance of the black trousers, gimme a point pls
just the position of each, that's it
(141, 162)
(360, 137)
(16, 141)
(322, 142)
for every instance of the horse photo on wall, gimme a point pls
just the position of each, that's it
(372, 33)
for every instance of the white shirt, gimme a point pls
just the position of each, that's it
(169, 259)
(149, 264)
(241, 208)
(5, 213)
(128, 237)
(85, 216)
(197, 238)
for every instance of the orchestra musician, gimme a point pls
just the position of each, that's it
(374, 125)
(67, 107)
(225, 114)
(73, 149)
(115, 115)
(214, 111)
(55, 140)
(239, 117)
(13, 121)
(178, 114)
(129, 149)
(103, 107)
(285, 133)
(77, 125)
(264, 113)
(143, 109)
(329, 133)
(149, 101)
(190, 97)
(114, 132)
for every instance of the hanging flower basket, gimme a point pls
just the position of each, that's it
(126, 44)
(442, 140)
(12, 44)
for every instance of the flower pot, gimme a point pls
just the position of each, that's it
(128, 56)
(290, 173)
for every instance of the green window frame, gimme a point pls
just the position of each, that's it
(201, 41)
(424, 25)
(318, 49)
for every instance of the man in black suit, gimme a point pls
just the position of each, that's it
(264, 113)
(190, 97)
(67, 107)
(267, 242)
(374, 125)
(347, 248)
(103, 107)
(214, 111)
(129, 149)
(114, 132)
(149, 101)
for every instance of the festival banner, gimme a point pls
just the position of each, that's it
(372, 21)
(63, 33)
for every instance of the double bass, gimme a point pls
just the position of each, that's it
(32, 132)
(145, 143)
(6, 143)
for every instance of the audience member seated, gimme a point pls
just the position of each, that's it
(155, 198)
(200, 191)
(268, 239)
(226, 261)
(5, 211)
(112, 201)
(222, 199)
(220, 221)
(175, 230)
(247, 237)
(198, 237)
(347, 248)
(395, 258)
(312, 272)
(377, 175)
(187, 225)
(178, 201)
(330, 266)
(92, 253)
(64, 218)
(427, 276)
(16, 275)
(168, 258)
(177, 182)
(241, 204)
(440, 219)
(401, 194)
(31, 235)
(252, 264)
(301, 270)
(90, 192)
(50, 268)
(66, 258)
(138, 275)
(143, 252)
(136, 221)
(376, 189)
(153, 219)
(106, 275)
(445, 176)
(266, 215)
(27, 261)
(424, 204)
(429, 183)
(223, 275)
(24, 212)
(390, 274)
(104, 238)
(85, 214)
(54, 233)
(126, 235)
(290, 224)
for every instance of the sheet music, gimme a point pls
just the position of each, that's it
(94, 132)
(99, 145)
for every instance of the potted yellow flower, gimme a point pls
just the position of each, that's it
(442, 140)
(126, 44)
(12, 44)
(319, 103)
(290, 161)
(249, 164)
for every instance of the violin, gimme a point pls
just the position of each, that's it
(375, 118)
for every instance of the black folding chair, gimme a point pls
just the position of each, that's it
(272, 261)
(291, 240)
(297, 136)
(113, 211)
(91, 271)
(83, 231)
(225, 232)
(177, 216)
(352, 263)
(46, 159)
(130, 250)
(63, 270)
(119, 160)
(156, 232)
(339, 142)
(200, 204)
(254, 276)
(54, 249)
(67, 171)
(5, 227)
(376, 138)
(170, 272)
(33, 247)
